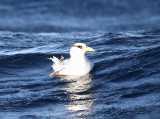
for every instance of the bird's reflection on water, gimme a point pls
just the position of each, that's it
(80, 96)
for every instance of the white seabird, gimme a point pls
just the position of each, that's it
(77, 65)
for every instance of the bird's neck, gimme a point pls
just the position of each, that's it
(78, 57)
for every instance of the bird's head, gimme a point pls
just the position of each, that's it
(80, 48)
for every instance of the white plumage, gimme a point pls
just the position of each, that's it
(77, 65)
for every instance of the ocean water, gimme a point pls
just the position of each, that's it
(125, 81)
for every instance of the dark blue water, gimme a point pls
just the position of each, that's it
(77, 15)
(125, 82)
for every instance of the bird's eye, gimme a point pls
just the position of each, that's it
(79, 46)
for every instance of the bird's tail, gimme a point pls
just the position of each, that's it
(56, 63)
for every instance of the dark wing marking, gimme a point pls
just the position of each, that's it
(54, 74)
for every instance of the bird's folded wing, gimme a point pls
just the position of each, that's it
(54, 74)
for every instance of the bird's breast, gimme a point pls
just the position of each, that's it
(79, 66)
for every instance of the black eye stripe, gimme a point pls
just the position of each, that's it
(79, 46)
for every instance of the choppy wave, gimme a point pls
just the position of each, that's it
(124, 83)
